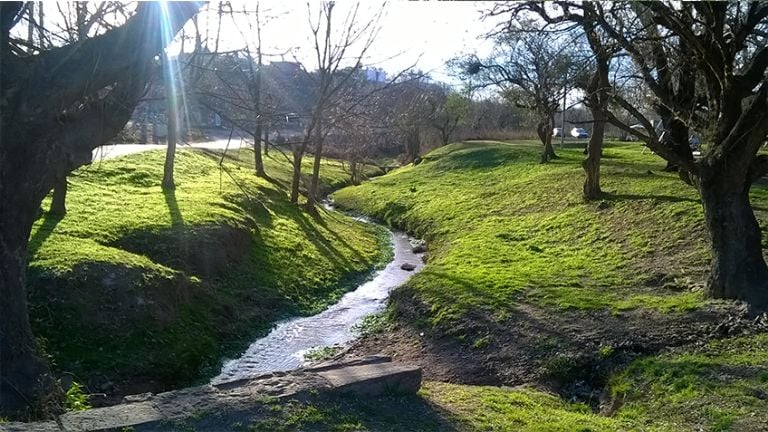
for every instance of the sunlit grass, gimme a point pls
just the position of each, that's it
(503, 228)
(135, 281)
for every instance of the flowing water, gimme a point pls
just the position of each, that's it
(284, 347)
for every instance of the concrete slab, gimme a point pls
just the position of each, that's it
(113, 417)
(374, 379)
(49, 426)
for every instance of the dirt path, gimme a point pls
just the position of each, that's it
(569, 352)
(116, 150)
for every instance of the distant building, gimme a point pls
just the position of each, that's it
(375, 75)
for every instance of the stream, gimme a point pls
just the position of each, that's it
(284, 347)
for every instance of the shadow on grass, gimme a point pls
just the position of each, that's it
(523, 343)
(43, 232)
(662, 198)
(177, 220)
(380, 413)
(470, 157)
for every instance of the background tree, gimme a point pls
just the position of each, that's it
(705, 65)
(332, 52)
(530, 69)
(57, 106)
(566, 17)
(449, 111)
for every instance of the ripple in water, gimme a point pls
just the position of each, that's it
(284, 347)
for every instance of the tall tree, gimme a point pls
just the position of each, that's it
(339, 55)
(57, 106)
(705, 64)
(530, 68)
(584, 15)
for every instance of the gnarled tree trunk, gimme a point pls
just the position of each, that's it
(26, 382)
(738, 270)
(55, 111)
(544, 131)
(594, 153)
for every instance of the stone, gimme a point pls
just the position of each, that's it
(418, 246)
(374, 379)
(49, 426)
(408, 267)
(142, 397)
(354, 361)
(114, 417)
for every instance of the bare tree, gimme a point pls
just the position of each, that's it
(568, 16)
(449, 110)
(58, 105)
(339, 55)
(530, 69)
(705, 65)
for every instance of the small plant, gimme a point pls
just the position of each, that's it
(605, 351)
(372, 324)
(482, 343)
(76, 399)
(321, 353)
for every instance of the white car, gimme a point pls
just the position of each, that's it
(579, 133)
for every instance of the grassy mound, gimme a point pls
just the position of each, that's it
(515, 230)
(136, 285)
(576, 289)
(720, 386)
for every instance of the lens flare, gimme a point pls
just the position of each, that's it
(172, 73)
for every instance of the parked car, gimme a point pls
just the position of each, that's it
(557, 132)
(579, 133)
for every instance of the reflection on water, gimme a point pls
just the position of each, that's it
(284, 347)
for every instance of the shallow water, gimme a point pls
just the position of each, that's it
(284, 347)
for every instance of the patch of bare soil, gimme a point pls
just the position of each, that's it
(569, 352)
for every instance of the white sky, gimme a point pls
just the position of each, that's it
(425, 33)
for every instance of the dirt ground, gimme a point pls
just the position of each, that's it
(568, 352)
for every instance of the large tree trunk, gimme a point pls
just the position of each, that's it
(59, 201)
(738, 270)
(597, 101)
(38, 144)
(26, 385)
(594, 152)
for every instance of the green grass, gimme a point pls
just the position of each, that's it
(439, 407)
(504, 229)
(719, 387)
(157, 286)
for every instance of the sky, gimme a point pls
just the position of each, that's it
(424, 33)
(427, 34)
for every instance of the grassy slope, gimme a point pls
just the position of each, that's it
(134, 282)
(502, 223)
(504, 230)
